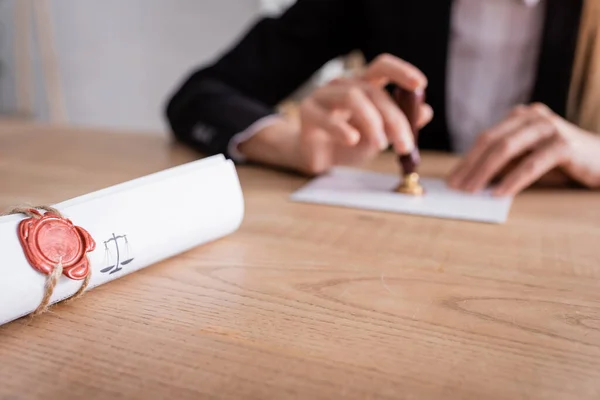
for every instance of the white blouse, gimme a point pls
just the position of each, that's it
(494, 47)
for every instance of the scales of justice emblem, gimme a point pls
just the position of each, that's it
(120, 259)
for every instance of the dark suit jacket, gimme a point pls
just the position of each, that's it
(277, 55)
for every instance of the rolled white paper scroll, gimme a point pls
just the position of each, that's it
(134, 224)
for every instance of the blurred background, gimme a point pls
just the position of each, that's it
(113, 63)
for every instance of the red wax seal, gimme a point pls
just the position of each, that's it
(52, 238)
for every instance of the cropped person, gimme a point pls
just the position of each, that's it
(508, 83)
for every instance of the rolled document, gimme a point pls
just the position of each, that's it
(132, 225)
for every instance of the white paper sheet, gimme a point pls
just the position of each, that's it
(356, 188)
(162, 214)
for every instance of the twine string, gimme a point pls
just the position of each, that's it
(51, 282)
(52, 279)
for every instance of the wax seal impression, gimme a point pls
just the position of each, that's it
(50, 239)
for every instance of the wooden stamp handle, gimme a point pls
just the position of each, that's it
(410, 103)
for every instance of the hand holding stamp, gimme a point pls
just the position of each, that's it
(410, 103)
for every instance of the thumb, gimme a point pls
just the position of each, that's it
(425, 115)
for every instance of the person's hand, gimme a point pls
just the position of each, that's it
(351, 120)
(532, 141)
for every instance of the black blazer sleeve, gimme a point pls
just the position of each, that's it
(272, 59)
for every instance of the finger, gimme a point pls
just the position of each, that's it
(395, 123)
(460, 174)
(387, 68)
(365, 117)
(506, 149)
(541, 109)
(315, 117)
(342, 80)
(425, 115)
(519, 110)
(547, 156)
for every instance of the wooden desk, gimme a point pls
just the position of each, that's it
(306, 301)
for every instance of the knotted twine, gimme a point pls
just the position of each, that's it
(52, 279)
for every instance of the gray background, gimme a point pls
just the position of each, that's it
(119, 59)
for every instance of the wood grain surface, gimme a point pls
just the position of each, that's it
(312, 302)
